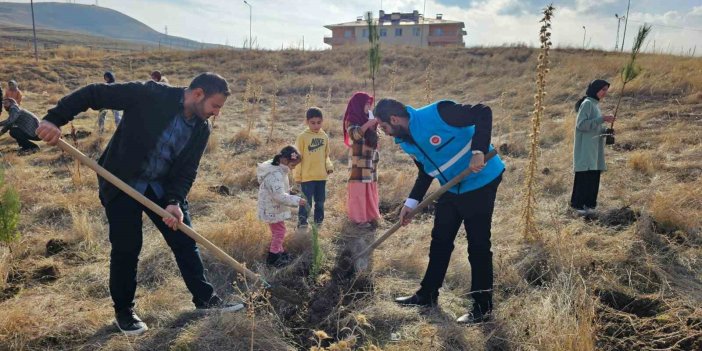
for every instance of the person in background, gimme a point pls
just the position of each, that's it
(157, 77)
(360, 134)
(588, 150)
(109, 78)
(315, 166)
(22, 126)
(13, 92)
(274, 198)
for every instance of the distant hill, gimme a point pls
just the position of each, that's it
(90, 20)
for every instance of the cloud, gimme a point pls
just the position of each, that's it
(284, 23)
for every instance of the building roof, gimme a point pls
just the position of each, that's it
(394, 19)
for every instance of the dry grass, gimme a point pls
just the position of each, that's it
(548, 296)
(642, 161)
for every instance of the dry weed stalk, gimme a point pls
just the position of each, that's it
(393, 78)
(246, 102)
(329, 96)
(274, 112)
(529, 202)
(309, 99)
(427, 84)
(75, 172)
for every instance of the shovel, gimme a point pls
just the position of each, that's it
(429, 199)
(277, 291)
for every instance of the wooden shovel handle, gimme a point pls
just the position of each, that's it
(428, 200)
(121, 185)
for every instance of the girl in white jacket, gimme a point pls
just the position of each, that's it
(274, 199)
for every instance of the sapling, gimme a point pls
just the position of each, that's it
(629, 72)
(374, 51)
(9, 212)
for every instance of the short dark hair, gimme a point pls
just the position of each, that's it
(313, 112)
(389, 107)
(210, 83)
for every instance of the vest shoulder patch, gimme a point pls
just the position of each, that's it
(435, 140)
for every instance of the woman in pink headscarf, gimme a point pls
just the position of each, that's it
(360, 134)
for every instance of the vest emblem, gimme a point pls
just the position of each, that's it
(435, 140)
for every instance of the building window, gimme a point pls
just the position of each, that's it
(348, 33)
(365, 32)
(383, 32)
(416, 31)
(438, 32)
(398, 32)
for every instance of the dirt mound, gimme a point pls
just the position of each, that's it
(615, 218)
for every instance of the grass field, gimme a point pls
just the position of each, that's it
(630, 279)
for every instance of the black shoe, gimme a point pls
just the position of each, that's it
(129, 323)
(418, 300)
(217, 304)
(476, 316)
(279, 259)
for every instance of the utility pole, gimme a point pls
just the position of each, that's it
(34, 30)
(584, 34)
(619, 23)
(421, 31)
(626, 21)
(250, 17)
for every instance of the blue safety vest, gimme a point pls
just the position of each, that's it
(445, 151)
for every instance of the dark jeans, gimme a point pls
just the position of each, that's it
(474, 210)
(585, 189)
(23, 139)
(124, 216)
(313, 190)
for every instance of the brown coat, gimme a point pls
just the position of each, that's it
(363, 160)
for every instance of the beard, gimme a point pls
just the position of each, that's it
(200, 110)
(399, 132)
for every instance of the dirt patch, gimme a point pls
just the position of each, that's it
(46, 274)
(221, 190)
(55, 246)
(676, 330)
(631, 146)
(641, 306)
(334, 294)
(9, 292)
(80, 134)
(512, 150)
(615, 218)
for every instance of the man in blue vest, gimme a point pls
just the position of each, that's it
(445, 138)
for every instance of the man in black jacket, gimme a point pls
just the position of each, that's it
(156, 149)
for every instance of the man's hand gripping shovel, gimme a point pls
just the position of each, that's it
(254, 279)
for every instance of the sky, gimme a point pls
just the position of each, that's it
(677, 24)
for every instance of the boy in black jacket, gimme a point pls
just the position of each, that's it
(156, 149)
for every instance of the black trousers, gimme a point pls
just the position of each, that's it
(125, 219)
(585, 189)
(23, 139)
(474, 210)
